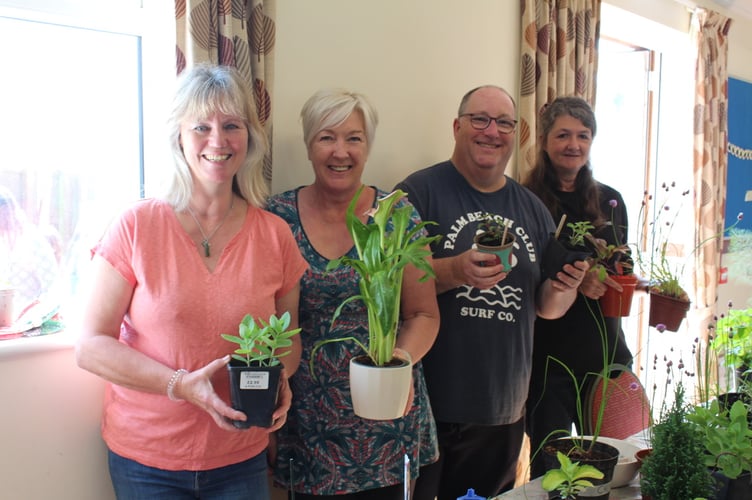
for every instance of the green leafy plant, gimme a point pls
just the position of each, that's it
(260, 343)
(733, 337)
(578, 231)
(570, 478)
(494, 231)
(726, 436)
(385, 247)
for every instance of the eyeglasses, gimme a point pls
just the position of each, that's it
(481, 122)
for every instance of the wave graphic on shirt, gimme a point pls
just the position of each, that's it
(505, 296)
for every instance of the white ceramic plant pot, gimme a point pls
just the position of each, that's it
(379, 393)
(7, 313)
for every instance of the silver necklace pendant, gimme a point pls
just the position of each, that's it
(206, 246)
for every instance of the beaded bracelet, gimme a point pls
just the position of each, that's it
(173, 382)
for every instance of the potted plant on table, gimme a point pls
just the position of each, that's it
(675, 467)
(385, 246)
(570, 478)
(493, 237)
(255, 369)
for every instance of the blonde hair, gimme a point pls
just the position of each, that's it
(202, 91)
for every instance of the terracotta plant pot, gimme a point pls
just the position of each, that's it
(504, 252)
(667, 310)
(379, 392)
(603, 457)
(616, 304)
(557, 254)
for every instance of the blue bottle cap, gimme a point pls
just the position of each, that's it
(471, 496)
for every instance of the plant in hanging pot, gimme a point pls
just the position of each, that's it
(669, 301)
(385, 246)
(493, 237)
(255, 368)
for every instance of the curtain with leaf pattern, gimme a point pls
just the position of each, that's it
(710, 163)
(239, 33)
(558, 57)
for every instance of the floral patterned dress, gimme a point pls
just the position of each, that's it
(331, 450)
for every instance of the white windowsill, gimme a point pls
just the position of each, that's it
(31, 345)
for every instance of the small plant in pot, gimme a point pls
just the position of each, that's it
(570, 478)
(255, 369)
(493, 237)
(566, 247)
(385, 246)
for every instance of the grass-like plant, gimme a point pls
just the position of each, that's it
(259, 343)
(385, 247)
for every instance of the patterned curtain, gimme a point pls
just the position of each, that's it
(558, 57)
(237, 33)
(710, 30)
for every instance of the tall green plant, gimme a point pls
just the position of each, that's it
(385, 247)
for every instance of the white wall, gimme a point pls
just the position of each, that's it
(414, 60)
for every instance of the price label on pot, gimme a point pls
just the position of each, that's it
(254, 381)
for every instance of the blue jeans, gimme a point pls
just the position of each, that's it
(245, 480)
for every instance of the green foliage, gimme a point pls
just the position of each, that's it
(259, 344)
(733, 338)
(578, 232)
(494, 230)
(385, 247)
(570, 478)
(676, 466)
(727, 436)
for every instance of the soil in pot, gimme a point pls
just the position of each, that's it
(615, 304)
(602, 456)
(667, 310)
(254, 391)
(557, 254)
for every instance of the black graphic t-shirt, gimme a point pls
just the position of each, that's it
(479, 368)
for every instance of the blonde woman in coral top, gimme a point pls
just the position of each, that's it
(169, 276)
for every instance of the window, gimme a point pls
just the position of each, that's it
(83, 101)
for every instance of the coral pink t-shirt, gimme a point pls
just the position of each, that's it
(178, 311)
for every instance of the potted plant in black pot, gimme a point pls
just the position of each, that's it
(493, 237)
(380, 382)
(255, 370)
(566, 246)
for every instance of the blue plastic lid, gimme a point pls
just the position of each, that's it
(471, 496)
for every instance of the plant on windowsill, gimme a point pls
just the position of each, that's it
(255, 368)
(385, 246)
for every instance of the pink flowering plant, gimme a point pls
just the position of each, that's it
(610, 258)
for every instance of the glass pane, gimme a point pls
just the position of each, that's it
(72, 151)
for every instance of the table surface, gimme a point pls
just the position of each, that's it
(533, 491)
